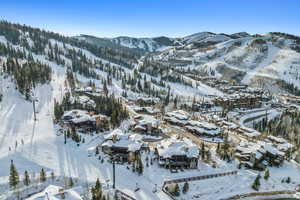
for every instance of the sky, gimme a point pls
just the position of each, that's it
(150, 18)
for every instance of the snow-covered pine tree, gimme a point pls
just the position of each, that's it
(26, 180)
(42, 175)
(71, 183)
(13, 176)
(267, 174)
(185, 188)
(256, 183)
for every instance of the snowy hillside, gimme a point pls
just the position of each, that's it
(140, 45)
(86, 95)
(146, 44)
(257, 60)
(204, 37)
(271, 60)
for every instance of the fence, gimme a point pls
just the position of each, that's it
(123, 195)
(196, 178)
(253, 194)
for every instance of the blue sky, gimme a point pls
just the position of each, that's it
(148, 18)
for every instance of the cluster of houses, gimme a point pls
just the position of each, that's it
(204, 105)
(230, 89)
(173, 153)
(289, 99)
(84, 120)
(177, 117)
(239, 100)
(227, 126)
(199, 128)
(203, 128)
(260, 154)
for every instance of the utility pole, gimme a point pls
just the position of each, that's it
(33, 104)
(114, 174)
(1, 85)
(34, 113)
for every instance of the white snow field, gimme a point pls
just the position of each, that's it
(42, 148)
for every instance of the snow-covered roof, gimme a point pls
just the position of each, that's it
(172, 147)
(74, 113)
(175, 120)
(86, 101)
(178, 114)
(202, 127)
(53, 192)
(277, 139)
(124, 142)
(83, 118)
(285, 146)
(272, 149)
(79, 116)
(136, 137)
(259, 148)
(118, 133)
(249, 131)
(203, 124)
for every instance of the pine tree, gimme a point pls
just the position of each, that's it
(105, 88)
(167, 100)
(14, 176)
(97, 191)
(140, 167)
(267, 174)
(71, 183)
(58, 111)
(175, 102)
(42, 175)
(52, 176)
(65, 138)
(176, 190)
(26, 180)
(218, 148)
(185, 188)
(256, 183)
(202, 151)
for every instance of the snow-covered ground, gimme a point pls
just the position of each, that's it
(33, 145)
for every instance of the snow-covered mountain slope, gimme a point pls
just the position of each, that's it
(240, 57)
(33, 145)
(142, 45)
(146, 44)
